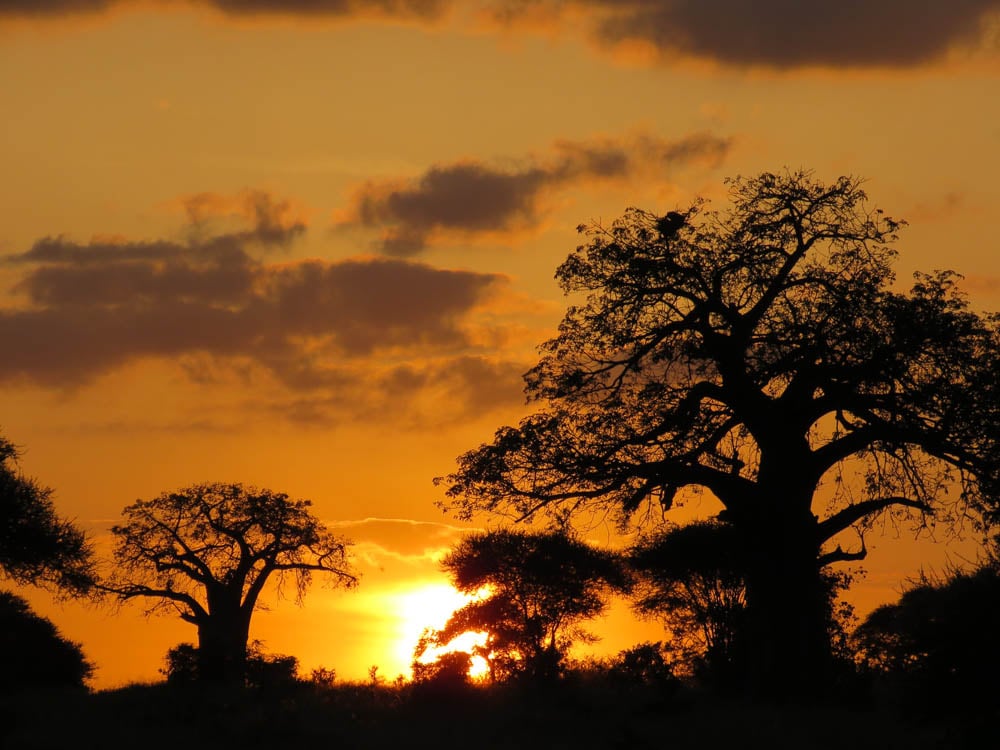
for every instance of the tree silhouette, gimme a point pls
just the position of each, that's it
(539, 587)
(939, 640)
(36, 545)
(206, 553)
(692, 578)
(35, 654)
(758, 353)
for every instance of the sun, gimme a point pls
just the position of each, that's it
(429, 606)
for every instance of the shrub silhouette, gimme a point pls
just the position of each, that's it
(263, 670)
(35, 654)
(938, 643)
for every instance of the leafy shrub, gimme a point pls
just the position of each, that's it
(263, 670)
(35, 654)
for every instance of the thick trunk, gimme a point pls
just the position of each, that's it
(787, 639)
(222, 648)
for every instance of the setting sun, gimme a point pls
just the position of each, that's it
(430, 606)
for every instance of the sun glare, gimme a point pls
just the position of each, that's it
(430, 606)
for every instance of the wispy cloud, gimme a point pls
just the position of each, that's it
(470, 196)
(378, 541)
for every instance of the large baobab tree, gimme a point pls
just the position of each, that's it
(759, 353)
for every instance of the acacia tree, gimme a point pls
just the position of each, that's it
(206, 553)
(692, 578)
(758, 353)
(539, 587)
(36, 545)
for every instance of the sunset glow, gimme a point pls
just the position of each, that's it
(310, 246)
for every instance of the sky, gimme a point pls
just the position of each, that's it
(309, 245)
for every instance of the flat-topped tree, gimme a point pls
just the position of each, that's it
(759, 353)
(535, 590)
(206, 553)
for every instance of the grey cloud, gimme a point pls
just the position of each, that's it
(373, 303)
(53, 7)
(92, 308)
(471, 197)
(423, 9)
(769, 33)
(784, 33)
(407, 9)
(219, 270)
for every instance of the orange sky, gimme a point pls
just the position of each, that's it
(393, 183)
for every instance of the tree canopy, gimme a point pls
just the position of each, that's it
(692, 578)
(37, 546)
(206, 552)
(760, 353)
(535, 589)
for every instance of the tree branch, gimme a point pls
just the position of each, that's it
(854, 513)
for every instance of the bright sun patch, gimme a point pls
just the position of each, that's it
(430, 606)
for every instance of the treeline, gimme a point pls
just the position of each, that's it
(534, 593)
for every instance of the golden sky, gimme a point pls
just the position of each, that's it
(310, 244)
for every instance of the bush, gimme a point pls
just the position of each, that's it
(35, 653)
(938, 644)
(263, 670)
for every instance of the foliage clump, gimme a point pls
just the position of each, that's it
(37, 546)
(35, 653)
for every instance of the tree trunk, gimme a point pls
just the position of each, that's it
(222, 648)
(787, 640)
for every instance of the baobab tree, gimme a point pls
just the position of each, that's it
(206, 552)
(757, 353)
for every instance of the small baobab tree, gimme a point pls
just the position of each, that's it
(206, 552)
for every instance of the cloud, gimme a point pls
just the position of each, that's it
(780, 34)
(86, 309)
(776, 33)
(470, 197)
(30, 8)
(940, 207)
(403, 537)
(433, 394)
(402, 9)
(419, 9)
